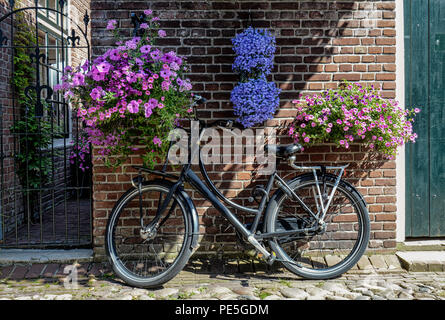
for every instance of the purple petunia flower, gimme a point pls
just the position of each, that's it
(78, 79)
(131, 44)
(111, 25)
(145, 49)
(155, 55)
(165, 73)
(85, 65)
(152, 103)
(114, 55)
(133, 106)
(103, 67)
(96, 93)
(148, 110)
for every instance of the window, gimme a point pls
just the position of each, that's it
(51, 16)
(51, 35)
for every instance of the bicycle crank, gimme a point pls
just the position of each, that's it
(262, 252)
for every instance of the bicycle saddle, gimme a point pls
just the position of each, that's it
(199, 100)
(283, 150)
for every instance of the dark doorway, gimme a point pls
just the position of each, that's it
(425, 89)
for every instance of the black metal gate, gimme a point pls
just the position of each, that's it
(45, 184)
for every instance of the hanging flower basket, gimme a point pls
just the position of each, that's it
(353, 113)
(132, 95)
(254, 98)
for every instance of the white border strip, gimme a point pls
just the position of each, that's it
(400, 96)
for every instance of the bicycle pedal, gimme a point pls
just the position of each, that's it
(260, 256)
(272, 258)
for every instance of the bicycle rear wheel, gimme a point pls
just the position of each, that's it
(148, 261)
(330, 251)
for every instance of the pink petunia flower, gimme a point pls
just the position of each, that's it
(157, 141)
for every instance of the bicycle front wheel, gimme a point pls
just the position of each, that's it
(332, 249)
(144, 260)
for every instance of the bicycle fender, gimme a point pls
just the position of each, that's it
(191, 211)
(193, 214)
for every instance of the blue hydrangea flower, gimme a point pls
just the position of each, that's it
(255, 50)
(255, 101)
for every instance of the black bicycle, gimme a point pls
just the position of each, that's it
(316, 224)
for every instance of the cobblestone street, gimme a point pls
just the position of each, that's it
(231, 280)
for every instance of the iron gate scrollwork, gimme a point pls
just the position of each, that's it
(45, 194)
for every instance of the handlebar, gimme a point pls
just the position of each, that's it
(226, 124)
(198, 100)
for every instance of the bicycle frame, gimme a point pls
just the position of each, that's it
(210, 192)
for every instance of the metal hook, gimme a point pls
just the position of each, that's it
(250, 20)
(137, 21)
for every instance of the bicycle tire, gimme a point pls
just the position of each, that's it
(311, 266)
(110, 239)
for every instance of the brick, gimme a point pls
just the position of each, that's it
(385, 199)
(384, 235)
(347, 76)
(389, 226)
(385, 217)
(19, 272)
(346, 41)
(389, 67)
(34, 271)
(385, 41)
(284, 6)
(389, 208)
(375, 208)
(386, 23)
(375, 50)
(385, 59)
(5, 271)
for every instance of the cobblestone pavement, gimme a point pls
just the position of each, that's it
(223, 280)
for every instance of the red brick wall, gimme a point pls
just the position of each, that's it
(319, 43)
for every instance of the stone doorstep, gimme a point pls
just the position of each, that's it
(422, 261)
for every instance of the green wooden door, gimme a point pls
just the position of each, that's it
(425, 88)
